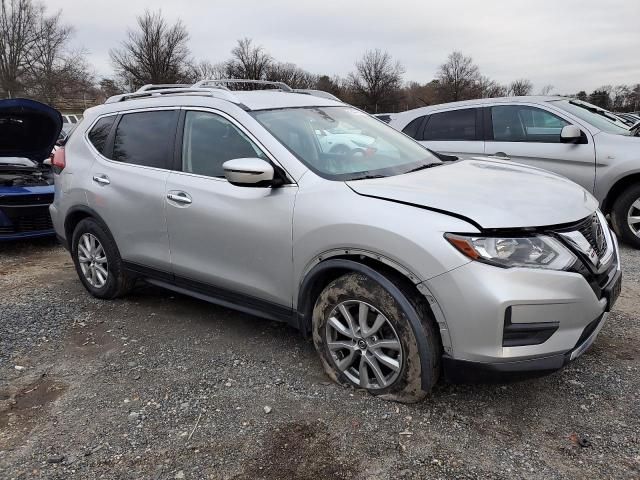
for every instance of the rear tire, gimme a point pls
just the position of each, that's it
(625, 216)
(385, 343)
(97, 261)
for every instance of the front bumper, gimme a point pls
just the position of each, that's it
(482, 305)
(25, 213)
(462, 371)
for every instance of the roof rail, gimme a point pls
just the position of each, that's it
(211, 92)
(316, 93)
(160, 86)
(229, 81)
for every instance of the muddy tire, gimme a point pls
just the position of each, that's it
(97, 261)
(365, 340)
(625, 214)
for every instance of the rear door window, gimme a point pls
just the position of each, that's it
(100, 132)
(145, 138)
(452, 125)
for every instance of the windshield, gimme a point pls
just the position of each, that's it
(597, 117)
(342, 143)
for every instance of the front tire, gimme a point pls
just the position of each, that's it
(625, 216)
(97, 261)
(365, 340)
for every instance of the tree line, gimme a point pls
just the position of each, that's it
(37, 60)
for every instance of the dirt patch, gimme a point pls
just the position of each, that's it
(29, 401)
(299, 451)
(91, 341)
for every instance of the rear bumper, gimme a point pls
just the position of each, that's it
(464, 371)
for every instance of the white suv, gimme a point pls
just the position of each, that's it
(398, 266)
(569, 137)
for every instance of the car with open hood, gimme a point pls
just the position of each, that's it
(399, 266)
(28, 133)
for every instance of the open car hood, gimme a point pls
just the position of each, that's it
(493, 194)
(28, 129)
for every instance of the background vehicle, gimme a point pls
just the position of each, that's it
(28, 132)
(569, 137)
(386, 261)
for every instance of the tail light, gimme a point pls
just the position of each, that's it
(58, 161)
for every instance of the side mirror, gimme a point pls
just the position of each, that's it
(248, 172)
(570, 134)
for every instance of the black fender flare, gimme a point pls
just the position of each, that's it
(87, 211)
(306, 302)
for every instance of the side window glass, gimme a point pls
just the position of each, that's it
(144, 138)
(412, 128)
(452, 125)
(100, 132)
(209, 140)
(513, 123)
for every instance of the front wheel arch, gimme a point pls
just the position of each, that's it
(329, 270)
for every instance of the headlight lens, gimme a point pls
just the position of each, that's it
(539, 251)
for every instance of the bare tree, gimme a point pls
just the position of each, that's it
(17, 35)
(458, 78)
(377, 80)
(154, 53)
(546, 90)
(51, 66)
(205, 70)
(248, 61)
(488, 88)
(520, 88)
(290, 74)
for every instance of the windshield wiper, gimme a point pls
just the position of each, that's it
(422, 167)
(367, 177)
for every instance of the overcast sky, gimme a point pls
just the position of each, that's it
(571, 44)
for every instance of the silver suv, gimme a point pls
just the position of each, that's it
(573, 138)
(305, 210)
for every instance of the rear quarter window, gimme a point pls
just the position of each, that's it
(100, 132)
(412, 128)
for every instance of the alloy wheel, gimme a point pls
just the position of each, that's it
(633, 217)
(363, 345)
(93, 260)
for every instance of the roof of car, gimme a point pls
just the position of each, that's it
(268, 99)
(246, 97)
(410, 114)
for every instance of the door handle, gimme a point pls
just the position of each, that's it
(179, 197)
(101, 179)
(500, 156)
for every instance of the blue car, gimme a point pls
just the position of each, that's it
(28, 133)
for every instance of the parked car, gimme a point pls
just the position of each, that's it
(629, 119)
(71, 119)
(569, 137)
(398, 266)
(28, 132)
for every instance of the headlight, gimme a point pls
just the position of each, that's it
(534, 252)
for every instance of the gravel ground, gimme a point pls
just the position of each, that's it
(163, 386)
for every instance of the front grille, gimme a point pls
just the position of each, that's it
(586, 229)
(35, 220)
(590, 254)
(26, 200)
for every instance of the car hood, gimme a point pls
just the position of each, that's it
(28, 129)
(489, 193)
